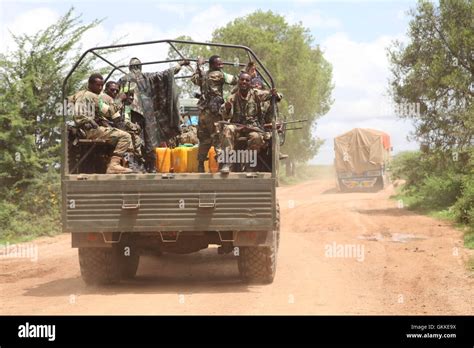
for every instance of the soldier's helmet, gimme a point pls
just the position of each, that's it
(135, 65)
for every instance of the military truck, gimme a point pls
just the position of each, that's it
(361, 159)
(113, 218)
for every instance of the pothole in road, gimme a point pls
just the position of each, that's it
(392, 237)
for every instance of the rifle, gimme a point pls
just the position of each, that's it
(281, 126)
(125, 122)
(130, 93)
(243, 127)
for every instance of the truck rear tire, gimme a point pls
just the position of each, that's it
(258, 264)
(99, 266)
(129, 264)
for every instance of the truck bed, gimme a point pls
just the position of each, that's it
(168, 202)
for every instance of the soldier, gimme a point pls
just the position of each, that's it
(107, 97)
(212, 85)
(251, 69)
(135, 158)
(95, 123)
(188, 133)
(112, 89)
(256, 82)
(267, 112)
(245, 109)
(143, 107)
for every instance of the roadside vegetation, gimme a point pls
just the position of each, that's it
(445, 193)
(433, 72)
(31, 76)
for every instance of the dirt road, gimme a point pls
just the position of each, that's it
(354, 253)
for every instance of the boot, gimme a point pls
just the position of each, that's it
(114, 167)
(225, 169)
(136, 164)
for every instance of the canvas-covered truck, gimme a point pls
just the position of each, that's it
(361, 159)
(114, 218)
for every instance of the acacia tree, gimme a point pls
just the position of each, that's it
(188, 51)
(435, 69)
(298, 67)
(300, 71)
(30, 86)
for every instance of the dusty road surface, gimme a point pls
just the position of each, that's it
(354, 253)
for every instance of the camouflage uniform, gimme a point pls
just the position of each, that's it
(124, 125)
(189, 135)
(143, 106)
(102, 114)
(267, 114)
(212, 86)
(248, 112)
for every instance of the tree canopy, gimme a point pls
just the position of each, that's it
(297, 65)
(435, 69)
(31, 78)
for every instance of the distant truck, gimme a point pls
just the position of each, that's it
(361, 159)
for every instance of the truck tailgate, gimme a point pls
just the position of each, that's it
(184, 202)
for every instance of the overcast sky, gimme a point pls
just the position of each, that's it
(353, 35)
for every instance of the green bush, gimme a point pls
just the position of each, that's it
(439, 191)
(7, 211)
(24, 225)
(42, 195)
(428, 185)
(31, 209)
(407, 166)
(464, 207)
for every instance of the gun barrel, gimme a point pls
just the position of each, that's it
(296, 121)
(242, 126)
(279, 124)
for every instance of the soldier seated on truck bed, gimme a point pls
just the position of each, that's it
(244, 111)
(122, 120)
(92, 116)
